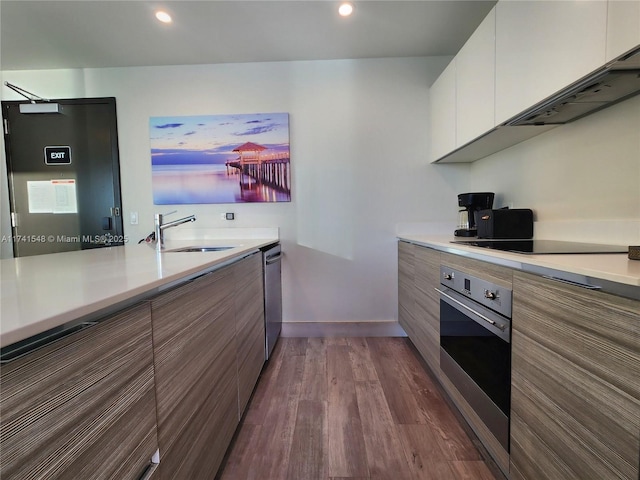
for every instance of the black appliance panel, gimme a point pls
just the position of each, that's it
(505, 223)
(483, 356)
(543, 247)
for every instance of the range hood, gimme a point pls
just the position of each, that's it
(615, 82)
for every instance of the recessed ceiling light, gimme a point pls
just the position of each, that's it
(163, 16)
(345, 9)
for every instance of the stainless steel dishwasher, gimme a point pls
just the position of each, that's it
(271, 266)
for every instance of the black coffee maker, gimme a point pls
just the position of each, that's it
(471, 203)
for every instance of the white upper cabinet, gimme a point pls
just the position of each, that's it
(542, 47)
(475, 83)
(442, 110)
(623, 27)
(522, 53)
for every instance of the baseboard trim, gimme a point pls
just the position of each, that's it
(342, 329)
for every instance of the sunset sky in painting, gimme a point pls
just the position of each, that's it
(211, 138)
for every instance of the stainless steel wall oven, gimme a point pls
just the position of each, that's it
(475, 345)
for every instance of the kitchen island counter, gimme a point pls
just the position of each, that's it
(42, 292)
(613, 271)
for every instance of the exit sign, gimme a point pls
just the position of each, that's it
(58, 155)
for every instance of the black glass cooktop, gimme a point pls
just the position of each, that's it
(543, 247)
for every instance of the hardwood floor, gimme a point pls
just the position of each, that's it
(350, 408)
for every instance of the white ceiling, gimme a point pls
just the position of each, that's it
(97, 33)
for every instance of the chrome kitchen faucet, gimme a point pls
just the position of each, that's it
(160, 227)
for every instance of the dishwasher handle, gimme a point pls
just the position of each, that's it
(273, 259)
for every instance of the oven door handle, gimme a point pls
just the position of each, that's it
(486, 319)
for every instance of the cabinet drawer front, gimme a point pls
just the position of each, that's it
(427, 273)
(596, 331)
(406, 288)
(189, 303)
(405, 263)
(84, 406)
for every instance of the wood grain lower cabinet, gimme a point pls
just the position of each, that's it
(575, 405)
(195, 366)
(427, 279)
(83, 406)
(250, 335)
(406, 288)
(208, 338)
(418, 302)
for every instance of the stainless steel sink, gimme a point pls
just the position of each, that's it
(200, 249)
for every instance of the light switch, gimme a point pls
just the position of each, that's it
(133, 218)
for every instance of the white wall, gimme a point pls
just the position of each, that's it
(581, 179)
(358, 132)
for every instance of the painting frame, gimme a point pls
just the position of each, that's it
(220, 159)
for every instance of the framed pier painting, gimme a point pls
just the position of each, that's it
(220, 158)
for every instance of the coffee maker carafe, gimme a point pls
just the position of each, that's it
(471, 203)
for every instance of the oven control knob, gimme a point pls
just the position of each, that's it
(490, 295)
(447, 276)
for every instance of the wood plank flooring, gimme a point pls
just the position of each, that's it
(350, 408)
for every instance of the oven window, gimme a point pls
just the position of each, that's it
(484, 356)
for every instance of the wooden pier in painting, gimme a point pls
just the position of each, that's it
(270, 169)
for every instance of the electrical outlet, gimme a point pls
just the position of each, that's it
(133, 218)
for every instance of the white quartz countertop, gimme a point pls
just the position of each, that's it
(45, 291)
(613, 267)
